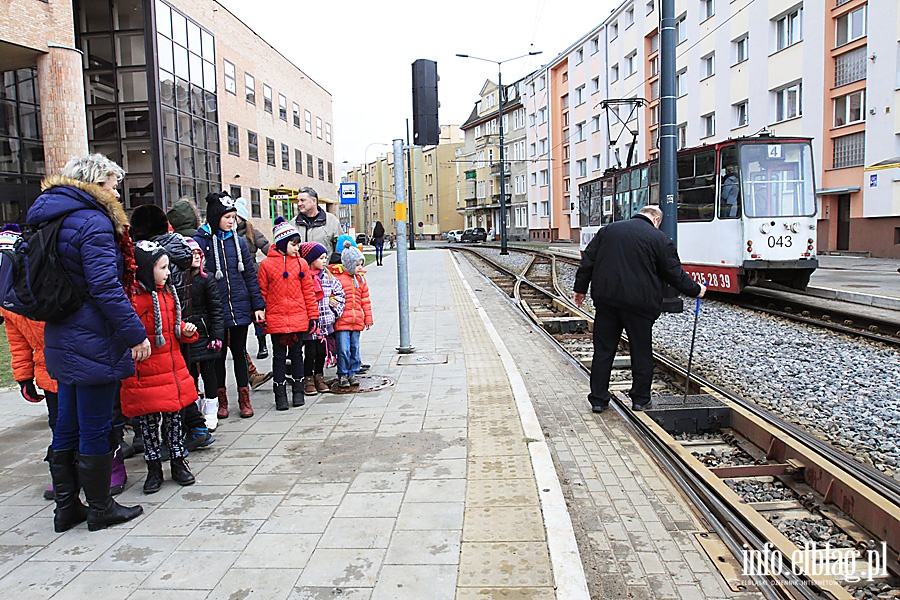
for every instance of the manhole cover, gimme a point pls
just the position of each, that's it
(367, 383)
(430, 308)
(422, 359)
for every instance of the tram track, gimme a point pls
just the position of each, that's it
(828, 486)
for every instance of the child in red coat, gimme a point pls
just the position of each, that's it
(357, 314)
(161, 385)
(291, 309)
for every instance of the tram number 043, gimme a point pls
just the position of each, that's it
(782, 241)
(712, 280)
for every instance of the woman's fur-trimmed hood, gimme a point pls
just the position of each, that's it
(106, 199)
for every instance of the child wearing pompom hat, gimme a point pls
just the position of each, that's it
(357, 314)
(161, 385)
(291, 309)
(330, 296)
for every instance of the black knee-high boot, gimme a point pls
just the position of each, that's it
(94, 471)
(66, 486)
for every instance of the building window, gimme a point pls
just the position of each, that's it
(613, 31)
(234, 191)
(252, 146)
(850, 150)
(267, 98)
(321, 169)
(654, 115)
(789, 29)
(308, 119)
(309, 165)
(595, 123)
(331, 173)
(564, 102)
(654, 90)
(545, 177)
(741, 49)
(851, 26)
(650, 6)
(788, 102)
(579, 132)
(595, 85)
(708, 65)
(595, 45)
(581, 167)
(681, 133)
(318, 128)
(270, 152)
(234, 146)
(254, 203)
(631, 63)
(707, 9)
(681, 83)
(230, 81)
(709, 124)
(579, 95)
(327, 133)
(542, 82)
(282, 107)
(285, 157)
(680, 29)
(298, 161)
(850, 67)
(629, 17)
(614, 73)
(295, 112)
(579, 56)
(544, 146)
(596, 163)
(250, 88)
(849, 109)
(741, 114)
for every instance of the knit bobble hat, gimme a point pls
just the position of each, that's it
(146, 255)
(339, 245)
(8, 239)
(282, 233)
(311, 251)
(148, 221)
(241, 205)
(350, 258)
(218, 204)
(192, 244)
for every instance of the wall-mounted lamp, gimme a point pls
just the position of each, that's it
(237, 175)
(873, 57)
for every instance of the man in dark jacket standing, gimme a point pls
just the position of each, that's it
(626, 265)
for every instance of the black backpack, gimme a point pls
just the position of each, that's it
(33, 282)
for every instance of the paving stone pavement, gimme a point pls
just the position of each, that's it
(423, 490)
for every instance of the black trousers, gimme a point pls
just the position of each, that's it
(207, 370)
(237, 343)
(280, 354)
(608, 324)
(314, 364)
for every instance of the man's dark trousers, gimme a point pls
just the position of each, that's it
(608, 324)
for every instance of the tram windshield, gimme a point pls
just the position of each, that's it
(777, 180)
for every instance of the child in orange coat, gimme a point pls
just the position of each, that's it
(291, 309)
(357, 314)
(161, 385)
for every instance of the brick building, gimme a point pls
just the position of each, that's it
(181, 93)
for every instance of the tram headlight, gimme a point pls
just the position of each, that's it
(795, 227)
(750, 246)
(764, 228)
(809, 241)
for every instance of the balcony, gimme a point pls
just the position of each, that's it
(471, 203)
(495, 168)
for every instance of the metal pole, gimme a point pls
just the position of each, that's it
(503, 250)
(411, 199)
(402, 264)
(668, 143)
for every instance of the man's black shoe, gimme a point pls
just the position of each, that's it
(599, 408)
(639, 407)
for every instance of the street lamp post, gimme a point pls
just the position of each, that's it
(503, 248)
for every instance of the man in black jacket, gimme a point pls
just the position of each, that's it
(626, 265)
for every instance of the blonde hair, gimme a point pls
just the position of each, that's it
(651, 210)
(94, 168)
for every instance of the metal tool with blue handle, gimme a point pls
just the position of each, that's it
(687, 380)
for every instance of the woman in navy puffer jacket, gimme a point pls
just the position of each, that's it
(229, 262)
(94, 348)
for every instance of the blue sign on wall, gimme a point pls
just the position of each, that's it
(349, 192)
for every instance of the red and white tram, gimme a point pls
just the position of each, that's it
(746, 210)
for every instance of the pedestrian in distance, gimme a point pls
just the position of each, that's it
(291, 309)
(184, 216)
(209, 319)
(357, 314)
(330, 298)
(626, 266)
(342, 242)
(315, 224)
(161, 385)
(378, 242)
(230, 263)
(26, 349)
(256, 241)
(95, 347)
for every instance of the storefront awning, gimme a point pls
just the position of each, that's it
(891, 163)
(838, 190)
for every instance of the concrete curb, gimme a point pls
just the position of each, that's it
(568, 570)
(873, 300)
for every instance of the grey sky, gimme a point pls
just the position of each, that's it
(361, 52)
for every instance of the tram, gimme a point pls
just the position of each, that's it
(746, 210)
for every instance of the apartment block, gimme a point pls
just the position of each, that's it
(821, 70)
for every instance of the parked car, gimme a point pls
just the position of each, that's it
(361, 238)
(454, 235)
(474, 234)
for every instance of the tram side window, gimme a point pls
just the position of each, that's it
(730, 188)
(607, 190)
(654, 183)
(696, 186)
(623, 197)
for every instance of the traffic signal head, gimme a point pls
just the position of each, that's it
(426, 131)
